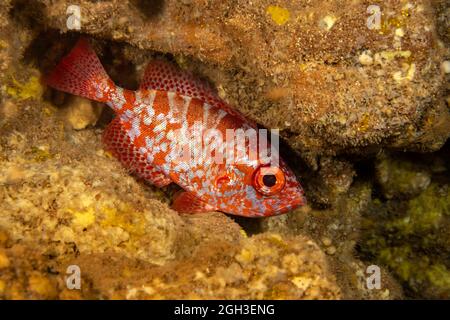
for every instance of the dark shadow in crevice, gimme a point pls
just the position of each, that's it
(149, 8)
(27, 14)
(251, 226)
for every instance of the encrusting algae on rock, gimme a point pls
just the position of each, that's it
(340, 94)
(23, 91)
(410, 235)
(278, 14)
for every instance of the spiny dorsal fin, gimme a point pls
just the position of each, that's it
(164, 76)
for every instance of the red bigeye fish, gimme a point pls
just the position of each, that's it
(154, 126)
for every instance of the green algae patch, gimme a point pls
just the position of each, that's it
(401, 178)
(32, 89)
(403, 235)
(439, 275)
(425, 211)
(417, 271)
(40, 154)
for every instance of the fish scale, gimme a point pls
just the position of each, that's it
(117, 141)
(162, 116)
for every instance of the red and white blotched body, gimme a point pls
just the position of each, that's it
(142, 135)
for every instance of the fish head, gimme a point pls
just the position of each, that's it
(260, 190)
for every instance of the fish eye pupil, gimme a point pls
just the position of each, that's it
(269, 180)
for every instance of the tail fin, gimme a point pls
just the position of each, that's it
(81, 73)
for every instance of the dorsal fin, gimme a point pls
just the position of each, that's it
(162, 75)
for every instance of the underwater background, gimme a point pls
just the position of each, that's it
(363, 114)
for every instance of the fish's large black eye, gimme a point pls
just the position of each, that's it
(269, 180)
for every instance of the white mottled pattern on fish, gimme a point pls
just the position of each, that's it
(162, 116)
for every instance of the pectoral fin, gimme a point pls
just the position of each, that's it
(187, 202)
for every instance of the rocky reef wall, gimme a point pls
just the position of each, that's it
(349, 102)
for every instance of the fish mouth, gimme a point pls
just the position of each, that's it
(293, 203)
(292, 200)
(298, 201)
(301, 198)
